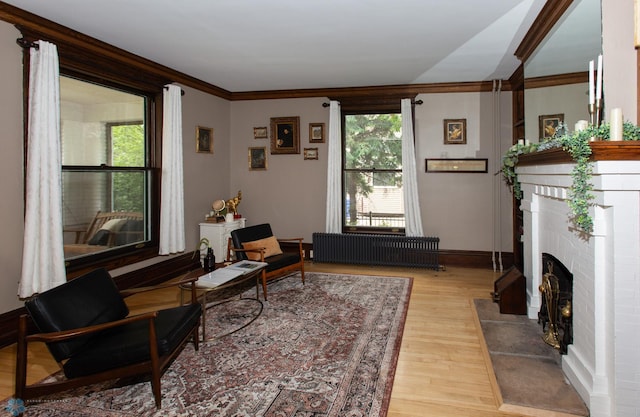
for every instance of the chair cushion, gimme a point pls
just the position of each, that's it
(249, 234)
(129, 344)
(84, 301)
(271, 245)
(281, 261)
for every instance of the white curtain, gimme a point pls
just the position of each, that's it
(172, 238)
(413, 226)
(334, 171)
(43, 251)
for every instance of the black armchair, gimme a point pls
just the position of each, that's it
(259, 244)
(85, 326)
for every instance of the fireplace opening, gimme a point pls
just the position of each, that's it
(556, 312)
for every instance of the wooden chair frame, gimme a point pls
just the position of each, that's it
(266, 276)
(155, 366)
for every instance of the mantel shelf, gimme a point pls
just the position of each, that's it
(600, 151)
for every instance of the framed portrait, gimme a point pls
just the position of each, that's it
(285, 135)
(455, 131)
(316, 132)
(548, 125)
(457, 165)
(310, 153)
(260, 132)
(204, 139)
(258, 159)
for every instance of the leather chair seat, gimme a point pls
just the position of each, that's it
(285, 259)
(129, 344)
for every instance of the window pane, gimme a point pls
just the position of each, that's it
(86, 193)
(373, 171)
(373, 141)
(103, 136)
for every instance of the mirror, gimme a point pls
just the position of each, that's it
(556, 74)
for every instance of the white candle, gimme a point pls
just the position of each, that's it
(591, 83)
(599, 80)
(581, 125)
(616, 124)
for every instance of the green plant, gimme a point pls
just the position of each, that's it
(203, 242)
(577, 145)
(509, 162)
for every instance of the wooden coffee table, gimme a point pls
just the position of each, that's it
(210, 297)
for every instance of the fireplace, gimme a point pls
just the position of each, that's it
(556, 312)
(601, 361)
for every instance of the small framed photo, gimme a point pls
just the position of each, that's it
(285, 135)
(258, 159)
(316, 132)
(455, 131)
(260, 132)
(467, 165)
(548, 124)
(310, 153)
(204, 139)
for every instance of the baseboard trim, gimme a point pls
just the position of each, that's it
(475, 259)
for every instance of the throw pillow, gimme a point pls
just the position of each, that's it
(271, 245)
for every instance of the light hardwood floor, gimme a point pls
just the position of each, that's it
(442, 369)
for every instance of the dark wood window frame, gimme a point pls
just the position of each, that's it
(369, 105)
(90, 63)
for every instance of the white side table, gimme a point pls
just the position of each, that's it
(218, 235)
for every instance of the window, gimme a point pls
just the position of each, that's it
(372, 172)
(105, 169)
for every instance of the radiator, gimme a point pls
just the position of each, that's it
(366, 249)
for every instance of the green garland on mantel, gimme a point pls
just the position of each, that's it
(577, 145)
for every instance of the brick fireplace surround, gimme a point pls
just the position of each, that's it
(603, 362)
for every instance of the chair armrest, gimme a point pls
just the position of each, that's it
(82, 331)
(261, 251)
(291, 239)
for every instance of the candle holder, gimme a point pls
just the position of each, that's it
(595, 114)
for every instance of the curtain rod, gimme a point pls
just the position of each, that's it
(26, 44)
(418, 102)
(182, 93)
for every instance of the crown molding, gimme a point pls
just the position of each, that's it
(554, 80)
(551, 12)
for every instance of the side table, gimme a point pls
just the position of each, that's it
(210, 297)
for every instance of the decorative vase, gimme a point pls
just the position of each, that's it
(229, 217)
(209, 262)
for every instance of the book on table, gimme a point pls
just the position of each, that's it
(221, 276)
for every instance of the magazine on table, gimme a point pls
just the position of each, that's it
(221, 276)
(247, 266)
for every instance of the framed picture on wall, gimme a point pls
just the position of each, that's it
(548, 124)
(260, 132)
(316, 132)
(455, 131)
(310, 153)
(204, 139)
(258, 159)
(285, 135)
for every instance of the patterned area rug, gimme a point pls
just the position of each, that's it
(328, 348)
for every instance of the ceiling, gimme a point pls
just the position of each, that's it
(256, 45)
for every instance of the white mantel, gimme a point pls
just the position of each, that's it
(603, 363)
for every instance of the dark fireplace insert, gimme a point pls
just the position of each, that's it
(556, 311)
